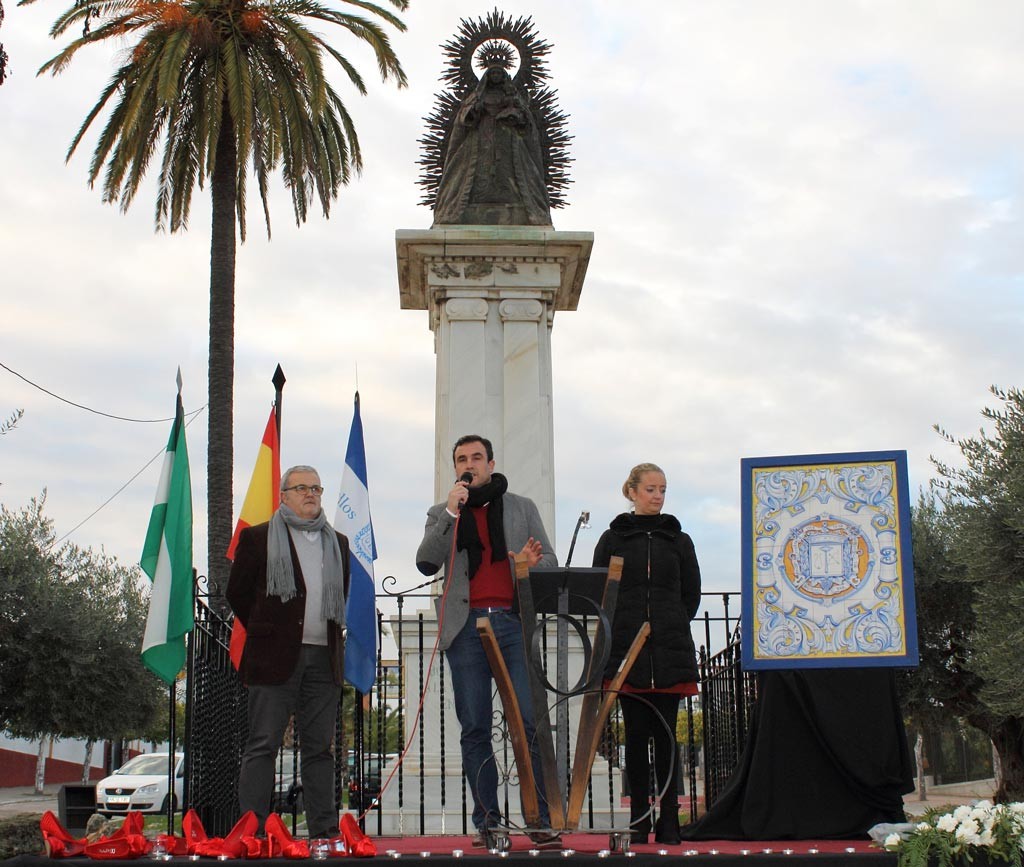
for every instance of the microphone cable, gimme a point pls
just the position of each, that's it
(426, 680)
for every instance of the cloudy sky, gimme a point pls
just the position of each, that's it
(808, 238)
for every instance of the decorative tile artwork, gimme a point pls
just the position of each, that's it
(827, 565)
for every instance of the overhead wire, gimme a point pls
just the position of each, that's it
(193, 413)
(99, 508)
(89, 408)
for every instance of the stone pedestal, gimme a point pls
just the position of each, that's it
(491, 293)
(442, 787)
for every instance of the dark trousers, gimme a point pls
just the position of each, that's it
(313, 696)
(644, 722)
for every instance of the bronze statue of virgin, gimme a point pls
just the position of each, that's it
(496, 152)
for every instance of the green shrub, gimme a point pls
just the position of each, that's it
(20, 835)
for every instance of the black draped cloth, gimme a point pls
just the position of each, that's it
(826, 757)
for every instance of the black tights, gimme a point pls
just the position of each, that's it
(643, 721)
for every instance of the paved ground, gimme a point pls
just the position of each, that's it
(24, 800)
(953, 795)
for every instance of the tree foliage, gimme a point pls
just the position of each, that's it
(942, 686)
(983, 514)
(11, 423)
(200, 70)
(71, 623)
(683, 728)
(3, 54)
(157, 730)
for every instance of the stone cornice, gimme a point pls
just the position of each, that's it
(492, 258)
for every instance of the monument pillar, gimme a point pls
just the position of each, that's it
(491, 293)
(491, 273)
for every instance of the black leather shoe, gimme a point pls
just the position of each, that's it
(666, 829)
(640, 829)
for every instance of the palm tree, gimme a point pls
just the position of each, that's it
(224, 84)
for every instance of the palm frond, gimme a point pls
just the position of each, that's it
(172, 61)
(350, 70)
(191, 63)
(111, 88)
(376, 38)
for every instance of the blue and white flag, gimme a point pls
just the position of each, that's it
(353, 519)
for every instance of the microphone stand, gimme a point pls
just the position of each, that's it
(583, 521)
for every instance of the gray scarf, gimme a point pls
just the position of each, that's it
(281, 574)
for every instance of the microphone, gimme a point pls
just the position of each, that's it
(466, 477)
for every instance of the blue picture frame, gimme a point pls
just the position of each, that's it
(827, 571)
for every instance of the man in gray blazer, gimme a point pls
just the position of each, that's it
(472, 535)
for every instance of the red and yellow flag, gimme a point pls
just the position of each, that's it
(261, 501)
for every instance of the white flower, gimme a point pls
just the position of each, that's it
(968, 833)
(892, 842)
(968, 827)
(947, 822)
(983, 804)
(979, 814)
(922, 826)
(962, 812)
(986, 838)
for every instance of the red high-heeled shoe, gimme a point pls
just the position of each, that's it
(126, 842)
(58, 842)
(231, 846)
(283, 845)
(193, 831)
(359, 845)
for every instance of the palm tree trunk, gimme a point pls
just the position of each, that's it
(223, 188)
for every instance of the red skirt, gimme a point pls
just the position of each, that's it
(679, 689)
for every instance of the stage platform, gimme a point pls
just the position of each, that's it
(583, 850)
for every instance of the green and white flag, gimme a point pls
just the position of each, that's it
(167, 559)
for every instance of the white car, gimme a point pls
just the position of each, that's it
(140, 784)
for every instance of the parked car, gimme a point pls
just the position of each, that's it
(287, 793)
(361, 797)
(141, 784)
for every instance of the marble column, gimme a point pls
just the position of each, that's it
(491, 293)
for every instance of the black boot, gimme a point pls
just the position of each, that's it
(639, 823)
(666, 829)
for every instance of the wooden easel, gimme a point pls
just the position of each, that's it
(597, 706)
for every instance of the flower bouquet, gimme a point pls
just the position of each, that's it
(984, 831)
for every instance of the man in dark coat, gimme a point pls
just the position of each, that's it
(287, 588)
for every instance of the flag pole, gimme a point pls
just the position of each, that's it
(172, 700)
(279, 382)
(172, 715)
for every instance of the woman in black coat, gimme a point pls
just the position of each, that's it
(660, 585)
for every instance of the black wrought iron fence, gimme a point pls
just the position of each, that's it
(727, 695)
(373, 730)
(216, 724)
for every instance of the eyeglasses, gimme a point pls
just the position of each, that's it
(302, 489)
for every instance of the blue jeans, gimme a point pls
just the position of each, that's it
(472, 690)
